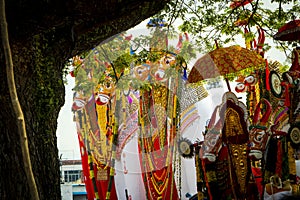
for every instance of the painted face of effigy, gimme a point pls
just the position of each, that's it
(211, 145)
(212, 139)
(258, 137)
(141, 72)
(259, 133)
(104, 93)
(244, 83)
(158, 71)
(79, 101)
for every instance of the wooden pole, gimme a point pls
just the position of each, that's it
(216, 42)
(198, 166)
(228, 84)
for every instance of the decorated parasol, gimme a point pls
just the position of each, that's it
(228, 62)
(289, 32)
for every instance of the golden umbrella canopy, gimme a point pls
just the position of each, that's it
(228, 62)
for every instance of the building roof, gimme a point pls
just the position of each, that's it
(71, 162)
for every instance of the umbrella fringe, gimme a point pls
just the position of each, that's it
(244, 72)
(230, 76)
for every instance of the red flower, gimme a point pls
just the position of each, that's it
(72, 73)
(239, 3)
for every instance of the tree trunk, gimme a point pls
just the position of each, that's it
(43, 36)
(41, 94)
(19, 119)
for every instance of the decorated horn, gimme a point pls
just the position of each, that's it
(256, 113)
(247, 43)
(219, 124)
(213, 118)
(261, 38)
(186, 36)
(267, 114)
(261, 41)
(295, 65)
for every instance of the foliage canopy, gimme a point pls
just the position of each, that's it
(209, 20)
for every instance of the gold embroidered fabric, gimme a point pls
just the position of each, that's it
(233, 127)
(239, 161)
(191, 94)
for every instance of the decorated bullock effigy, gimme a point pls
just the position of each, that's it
(126, 94)
(135, 98)
(249, 149)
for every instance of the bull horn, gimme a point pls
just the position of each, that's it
(261, 39)
(213, 118)
(219, 125)
(267, 114)
(256, 113)
(295, 65)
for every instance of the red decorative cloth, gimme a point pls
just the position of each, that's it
(102, 183)
(86, 170)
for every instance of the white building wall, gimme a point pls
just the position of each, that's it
(66, 192)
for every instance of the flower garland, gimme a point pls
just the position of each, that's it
(153, 143)
(158, 120)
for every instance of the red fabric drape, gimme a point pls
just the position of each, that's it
(257, 173)
(159, 183)
(86, 169)
(102, 185)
